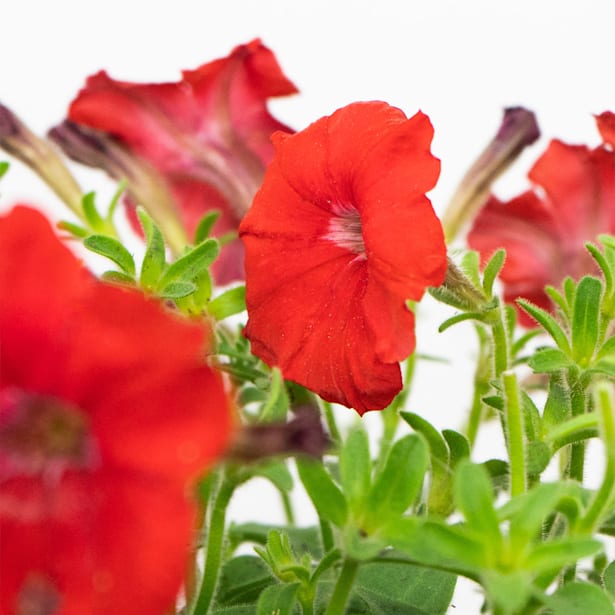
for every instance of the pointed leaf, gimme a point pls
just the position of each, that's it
(437, 444)
(4, 167)
(230, 302)
(560, 553)
(324, 493)
(458, 445)
(277, 403)
(547, 360)
(113, 250)
(586, 319)
(492, 269)
(190, 265)
(177, 290)
(73, 229)
(88, 202)
(356, 469)
(205, 225)
(474, 496)
(118, 277)
(399, 483)
(154, 260)
(548, 323)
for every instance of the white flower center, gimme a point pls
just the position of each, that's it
(345, 229)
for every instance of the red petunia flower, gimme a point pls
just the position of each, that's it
(107, 411)
(339, 236)
(544, 230)
(208, 134)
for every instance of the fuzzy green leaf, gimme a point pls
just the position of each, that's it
(94, 219)
(458, 446)
(437, 444)
(154, 260)
(230, 302)
(118, 277)
(548, 323)
(191, 264)
(356, 469)
(113, 250)
(276, 407)
(556, 554)
(278, 599)
(205, 225)
(492, 269)
(586, 319)
(4, 167)
(73, 229)
(579, 599)
(547, 360)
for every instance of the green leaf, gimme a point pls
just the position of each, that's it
(559, 300)
(399, 483)
(302, 539)
(205, 225)
(470, 265)
(356, 469)
(608, 578)
(278, 599)
(118, 277)
(586, 319)
(474, 496)
(603, 264)
(230, 302)
(92, 216)
(434, 543)
(547, 360)
(453, 320)
(491, 271)
(277, 473)
(73, 229)
(277, 402)
(538, 456)
(192, 264)
(242, 579)
(509, 591)
(557, 407)
(579, 599)
(4, 167)
(437, 444)
(404, 589)
(113, 250)
(548, 323)
(326, 496)
(551, 556)
(607, 349)
(154, 260)
(458, 446)
(177, 290)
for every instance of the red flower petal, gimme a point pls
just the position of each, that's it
(545, 236)
(606, 126)
(338, 238)
(155, 415)
(211, 129)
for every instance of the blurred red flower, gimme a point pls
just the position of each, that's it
(544, 229)
(208, 134)
(606, 126)
(339, 236)
(107, 411)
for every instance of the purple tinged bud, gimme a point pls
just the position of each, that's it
(518, 129)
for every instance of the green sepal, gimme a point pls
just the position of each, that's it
(474, 496)
(491, 271)
(444, 295)
(579, 599)
(326, 496)
(74, 229)
(586, 319)
(118, 277)
(548, 323)
(177, 290)
(154, 260)
(93, 218)
(399, 483)
(191, 264)
(230, 302)
(548, 360)
(112, 249)
(205, 225)
(355, 466)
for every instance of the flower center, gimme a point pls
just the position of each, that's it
(345, 229)
(40, 433)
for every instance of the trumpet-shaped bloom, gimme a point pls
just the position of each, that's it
(208, 134)
(338, 238)
(107, 412)
(544, 230)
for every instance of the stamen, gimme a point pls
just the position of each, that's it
(345, 230)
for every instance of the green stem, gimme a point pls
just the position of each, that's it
(213, 548)
(328, 543)
(514, 426)
(343, 587)
(334, 432)
(578, 402)
(482, 376)
(288, 508)
(599, 505)
(501, 353)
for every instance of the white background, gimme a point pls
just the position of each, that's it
(461, 62)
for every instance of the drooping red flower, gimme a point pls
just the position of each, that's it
(338, 238)
(208, 134)
(107, 412)
(544, 229)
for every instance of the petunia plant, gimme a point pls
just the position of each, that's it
(266, 305)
